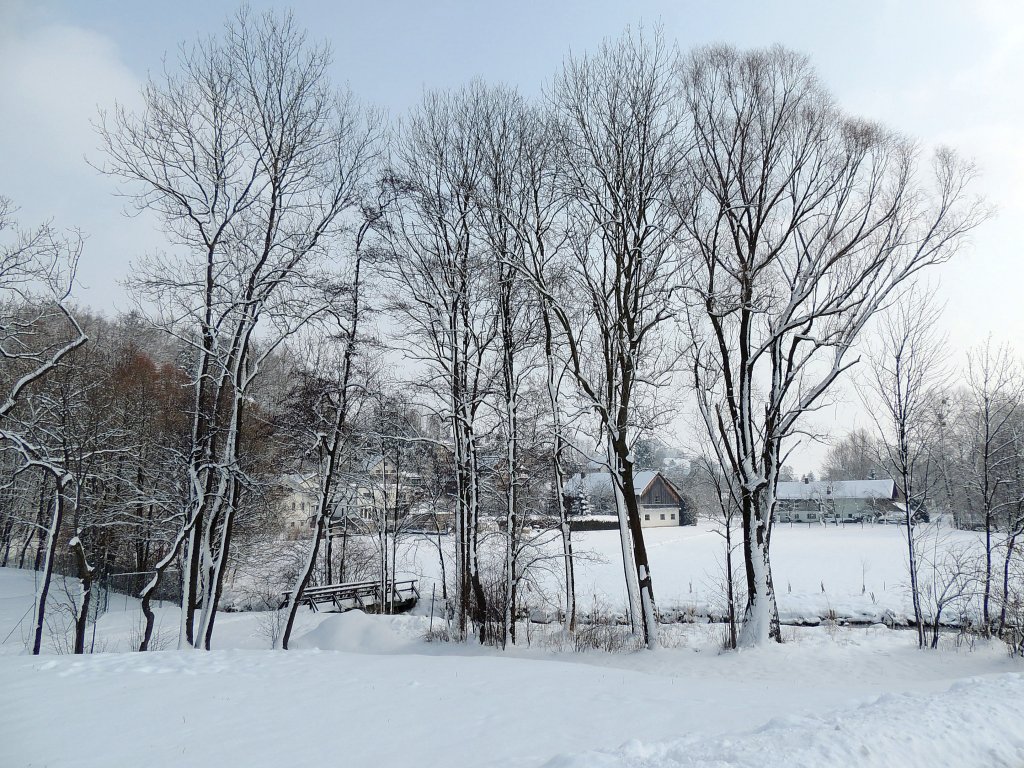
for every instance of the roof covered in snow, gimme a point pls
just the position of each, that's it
(838, 489)
(295, 481)
(601, 482)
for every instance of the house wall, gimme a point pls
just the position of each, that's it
(297, 509)
(813, 510)
(659, 516)
(660, 506)
(806, 515)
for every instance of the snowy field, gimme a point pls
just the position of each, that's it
(363, 690)
(856, 572)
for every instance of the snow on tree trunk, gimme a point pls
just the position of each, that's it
(52, 534)
(760, 622)
(85, 577)
(636, 617)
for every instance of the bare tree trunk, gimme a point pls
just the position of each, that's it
(915, 589)
(630, 571)
(221, 566)
(295, 598)
(85, 575)
(558, 473)
(986, 616)
(648, 608)
(761, 617)
(730, 585)
(328, 559)
(1007, 560)
(159, 569)
(344, 549)
(52, 535)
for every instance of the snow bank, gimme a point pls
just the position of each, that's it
(377, 695)
(977, 721)
(353, 632)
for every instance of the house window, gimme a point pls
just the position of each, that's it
(647, 517)
(663, 516)
(673, 515)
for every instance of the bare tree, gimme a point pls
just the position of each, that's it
(994, 407)
(907, 367)
(804, 224)
(620, 152)
(854, 456)
(1011, 576)
(444, 295)
(722, 505)
(332, 386)
(948, 576)
(251, 159)
(508, 138)
(37, 333)
(524, 226)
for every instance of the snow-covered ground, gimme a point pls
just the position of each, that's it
(857, 572)
(369, 691)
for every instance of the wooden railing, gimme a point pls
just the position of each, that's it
(366, 595)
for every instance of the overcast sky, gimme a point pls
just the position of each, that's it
(945, 71)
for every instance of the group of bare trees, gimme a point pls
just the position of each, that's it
(953, 440)
(714, 213)
(252, 160)
(551, 270)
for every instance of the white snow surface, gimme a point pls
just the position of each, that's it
(855, 572)
(360, 690)
(968, 725)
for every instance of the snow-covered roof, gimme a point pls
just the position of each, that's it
(837, 489)
(295, 481)
(601, 482)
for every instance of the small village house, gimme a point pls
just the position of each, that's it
(805, 501)
(590, 494)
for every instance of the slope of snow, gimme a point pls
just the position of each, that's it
(974, 723)
(368, 691)
(458, 707)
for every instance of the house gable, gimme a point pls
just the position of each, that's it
(659, 493)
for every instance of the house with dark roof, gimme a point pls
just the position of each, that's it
(590, 495)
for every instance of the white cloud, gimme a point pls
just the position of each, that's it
(53, 78)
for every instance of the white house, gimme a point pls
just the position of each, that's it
(661, 505)
(298, 502)
(811, 500)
